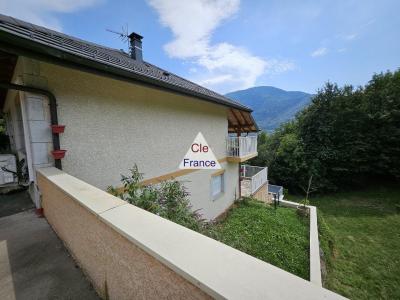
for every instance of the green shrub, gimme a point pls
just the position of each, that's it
(304, 202)
(168, 199)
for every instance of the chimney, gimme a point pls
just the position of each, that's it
(136, 46)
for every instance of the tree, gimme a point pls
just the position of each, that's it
(346, 137)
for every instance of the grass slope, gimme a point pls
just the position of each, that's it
(360, 235)
(278, 237)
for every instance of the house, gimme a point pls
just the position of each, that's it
(79, 115)
(94, 112)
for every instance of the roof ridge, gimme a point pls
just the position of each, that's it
(104, 55)
(52, 31)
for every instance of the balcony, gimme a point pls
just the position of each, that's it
(242, 148)
(252, 179)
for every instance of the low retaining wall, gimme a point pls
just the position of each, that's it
(129, 253)
(315, 260)
(117, 268)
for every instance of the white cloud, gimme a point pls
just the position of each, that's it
(218, 79)
(192, 23)
(319, 52)
(41, 12)
(225, 66)
(350, 37)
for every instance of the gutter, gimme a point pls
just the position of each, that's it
(17, 44)
(53, 110)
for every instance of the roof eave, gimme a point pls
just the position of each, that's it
(21, 46)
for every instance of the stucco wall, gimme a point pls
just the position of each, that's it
(199, 184)
(117, 268)
(111, 124)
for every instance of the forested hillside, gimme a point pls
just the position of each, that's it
(346, 137)
(271, 106)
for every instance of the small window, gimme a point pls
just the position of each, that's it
(217, 185)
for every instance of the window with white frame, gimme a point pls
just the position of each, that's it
(217, 185)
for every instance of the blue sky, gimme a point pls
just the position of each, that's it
(228, 45)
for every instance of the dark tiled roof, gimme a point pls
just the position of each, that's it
(109, 57)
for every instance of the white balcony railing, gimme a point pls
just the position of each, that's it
(257, 176)
(241, 146)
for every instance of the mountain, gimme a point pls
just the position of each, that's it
(271, 106)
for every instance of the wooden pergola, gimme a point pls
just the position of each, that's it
(240, 121)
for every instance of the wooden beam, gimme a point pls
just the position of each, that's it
(238, 117)
(243, 114)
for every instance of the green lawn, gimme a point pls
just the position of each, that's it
(360, 235)
(278, 237)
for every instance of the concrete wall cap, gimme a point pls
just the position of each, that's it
(96, 200)
(217, 269)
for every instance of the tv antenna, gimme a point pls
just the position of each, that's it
(123, 35)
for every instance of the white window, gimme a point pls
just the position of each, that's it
(217, 185)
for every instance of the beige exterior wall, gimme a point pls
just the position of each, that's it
(112, 124)
(116, 267)
(199, 183)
